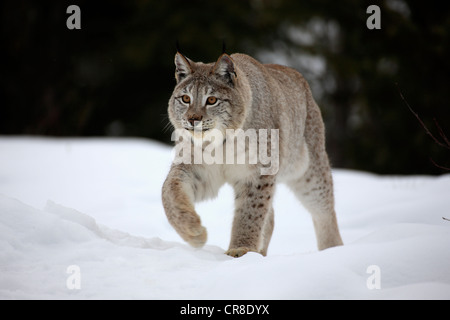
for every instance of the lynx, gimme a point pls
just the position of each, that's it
(239, 93)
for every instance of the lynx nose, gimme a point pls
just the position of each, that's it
(194, 118)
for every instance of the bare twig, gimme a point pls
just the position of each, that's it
(441, 132)
(423, 124)
(439, 166)
(445, 144)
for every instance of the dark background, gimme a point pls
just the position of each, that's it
(114, 76)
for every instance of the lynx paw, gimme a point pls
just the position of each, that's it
(237, 252)
(197, 238)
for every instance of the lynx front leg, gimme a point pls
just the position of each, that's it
(253, 218)
(178, 197)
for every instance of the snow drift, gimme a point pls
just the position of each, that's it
(95, 204)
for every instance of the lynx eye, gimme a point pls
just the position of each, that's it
(186, 99)
(211, 100)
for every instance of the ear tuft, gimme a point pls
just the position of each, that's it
(224, 68)
(183, 67)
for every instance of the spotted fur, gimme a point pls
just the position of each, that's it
(250, 95)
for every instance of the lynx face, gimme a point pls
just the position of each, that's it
(207, 96)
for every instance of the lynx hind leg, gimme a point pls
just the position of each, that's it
(253, 218)
(269, 224)
(315, 192)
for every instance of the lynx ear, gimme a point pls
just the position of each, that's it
(183, 67)
(224, 68)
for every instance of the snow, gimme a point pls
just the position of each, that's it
(93, 206)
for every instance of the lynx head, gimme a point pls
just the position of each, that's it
(208, 96)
